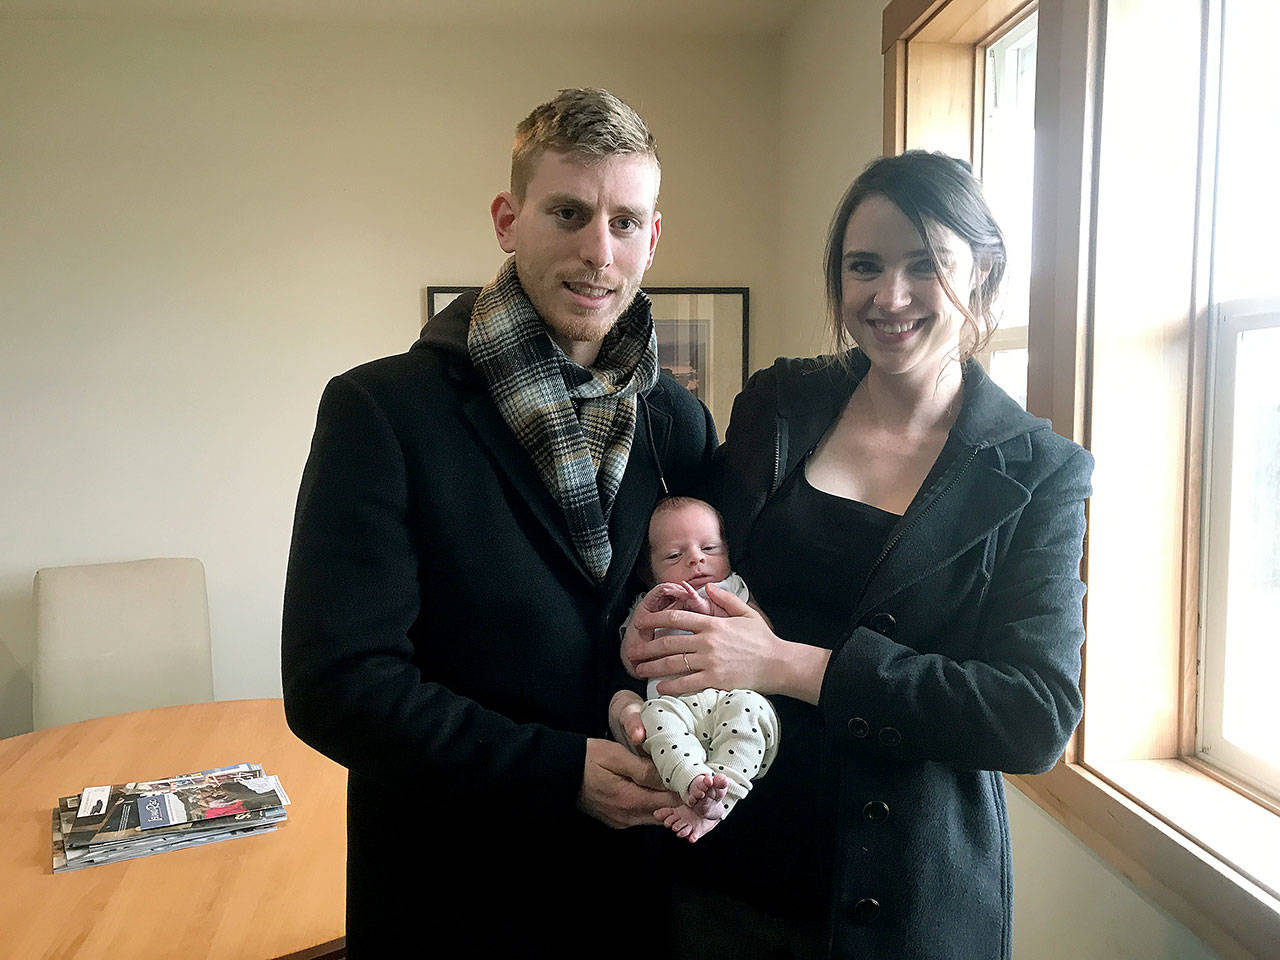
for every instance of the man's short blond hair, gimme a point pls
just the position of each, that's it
(586, 123)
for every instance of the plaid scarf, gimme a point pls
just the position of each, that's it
(576, 423)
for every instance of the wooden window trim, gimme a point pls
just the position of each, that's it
(955, 32)
(1203, 890)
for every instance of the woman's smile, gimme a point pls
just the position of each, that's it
(895, 331)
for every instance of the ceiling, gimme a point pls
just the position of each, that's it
(688, 16)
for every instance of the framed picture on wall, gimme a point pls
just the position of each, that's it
(435, 299)
(703, 341)
(702, 337)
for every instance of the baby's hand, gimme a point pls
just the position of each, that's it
(667, 595)
(697, 603)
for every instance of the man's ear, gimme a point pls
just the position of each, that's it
(504, 211)
(653, 237)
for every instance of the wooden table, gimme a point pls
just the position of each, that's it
(279, 894)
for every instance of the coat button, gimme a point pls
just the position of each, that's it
(890, 736)
(865, 910)
(859, 727)
(877, 811)
(883, 623)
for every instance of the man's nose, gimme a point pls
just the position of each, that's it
(892, 290)
(597, 244)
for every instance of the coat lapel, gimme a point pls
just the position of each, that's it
(637, 496)
(973, 499)
(805, 414)
(632, 505)
(511, 461)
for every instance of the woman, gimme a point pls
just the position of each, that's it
(914, 537)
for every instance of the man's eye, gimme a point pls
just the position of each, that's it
(626, 224)
(567, 214)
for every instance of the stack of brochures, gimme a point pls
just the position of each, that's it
(121, 822)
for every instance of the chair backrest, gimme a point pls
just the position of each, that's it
(115, 637)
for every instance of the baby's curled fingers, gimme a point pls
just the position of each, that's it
(729, 602)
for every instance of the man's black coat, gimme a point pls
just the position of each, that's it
(443, 641)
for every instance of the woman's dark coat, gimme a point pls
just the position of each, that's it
(962, 658)
(443, 641)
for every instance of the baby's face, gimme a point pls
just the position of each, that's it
(686, 544)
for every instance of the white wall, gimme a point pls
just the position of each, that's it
(1069, 904)
(202, 223)
(832, 100)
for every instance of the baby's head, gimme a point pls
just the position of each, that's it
(686, 542)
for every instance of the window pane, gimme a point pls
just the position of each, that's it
(1009, 370)
(1008, 156)
(1246, 244)
(1249, 716)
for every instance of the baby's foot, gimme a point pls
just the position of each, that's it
(686, 822)
(706, 795)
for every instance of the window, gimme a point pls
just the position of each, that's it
(1239, 730)
(1007, 171)
(1150, 316)
(1239, 726)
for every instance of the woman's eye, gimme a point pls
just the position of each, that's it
(862, 268)
(924, 268)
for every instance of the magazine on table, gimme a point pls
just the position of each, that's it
(106, 824)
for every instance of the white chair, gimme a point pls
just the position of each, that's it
(115, 637)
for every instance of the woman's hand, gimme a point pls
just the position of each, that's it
(738, 651)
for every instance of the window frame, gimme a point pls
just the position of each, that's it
(1121, 810)
(1227, 320)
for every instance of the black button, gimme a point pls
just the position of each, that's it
(877, 811)
(859, 727)
(890, 736)
(865, 910)
(883, 623)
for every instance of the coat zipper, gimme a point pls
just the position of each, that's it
(777, 458)
(903, 530)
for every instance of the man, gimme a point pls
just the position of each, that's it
(462, 556)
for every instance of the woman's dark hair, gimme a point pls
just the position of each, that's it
(932, 190)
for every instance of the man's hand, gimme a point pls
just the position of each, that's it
(624, 720)
(620, 789)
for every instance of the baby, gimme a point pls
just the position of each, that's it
(708, 746)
